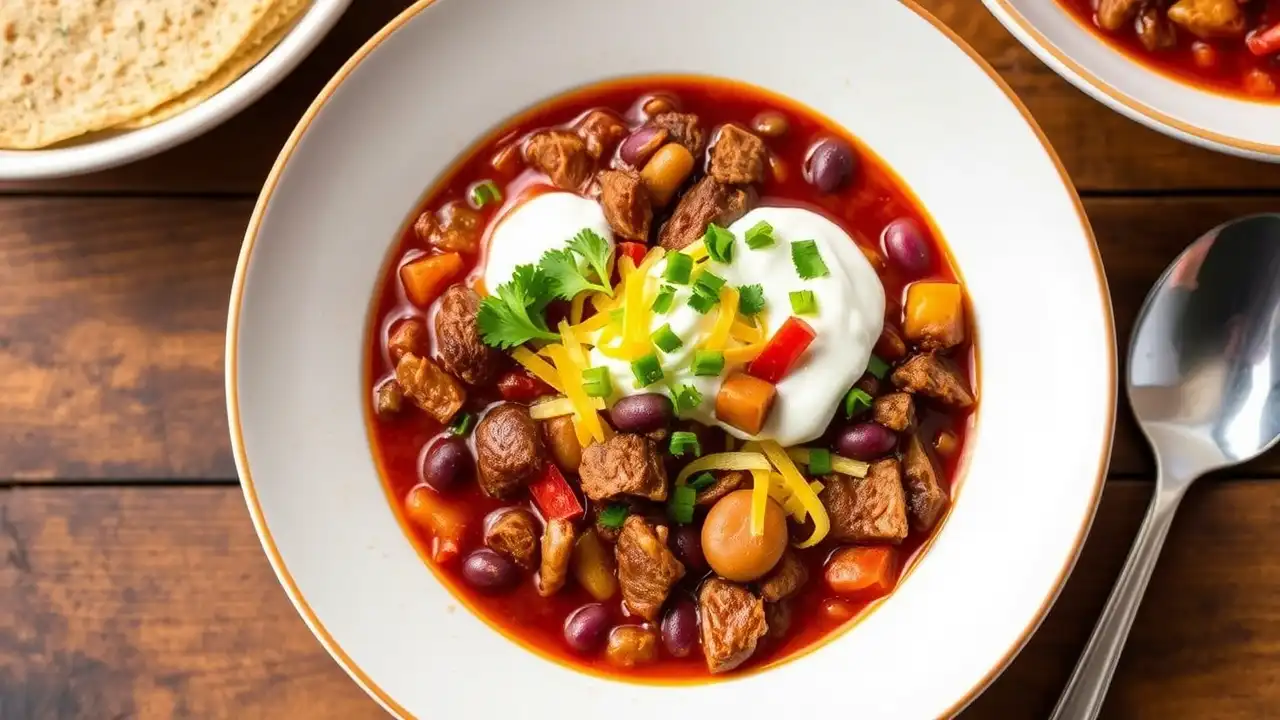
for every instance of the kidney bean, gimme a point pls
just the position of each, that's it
(865, 441)
(641, 144)
(585, 628)
(687, 541)
(830, 165)
(520, 386)
(680, 628)
(906, 247)
(447, 464)
(642, 413)
(489, 572)
(770, 123)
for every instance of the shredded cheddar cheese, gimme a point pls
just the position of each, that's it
(576, 307)
(540, 368)
(759, 500)
(728, 310)
(586, 422)
(799, 488)
(724, 461)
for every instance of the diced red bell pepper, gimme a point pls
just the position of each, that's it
(553, 496)
(783, 349)
(1264, 42)
(634, 250)
(519, 386)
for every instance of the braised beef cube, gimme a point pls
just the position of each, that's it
(1208, 19)
(867, 510)
(646, 567)
(560, 154)
(557, 549)
(683, 128)
(895, 411)
(601, 130)
(408, 336)
(1115, 14)
(738, 157)
(430, 388)
(731, 621)
(726, 482)
(1154, 30)
(785, 579)
(509, 452)
(926, 498)
(389, 399)
(933, 376)
(625, 464)
(777, 616)
(455, 228)
(609, 533)
(458, 344)
(626, 203)
(708, 201)
(514, 533)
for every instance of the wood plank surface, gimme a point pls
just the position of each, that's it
(158, 603)
(112, 315)
(1101, 149)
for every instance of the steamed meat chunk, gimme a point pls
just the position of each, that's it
(933, 376)
(785, 579)
(926, 498)
(726, 481)
(562, 155)
(683, 128)
(872, 509)
(509, 451)
(601, 130)
(430, 388)
(625, 464)
(458, 343)
(1209, 18)
(731, 621)
(1114, 14)
(456, 228)
(514, 533)
(626, 203)
(708, 201)
(646, 568)
(895, 411)
(738, 157)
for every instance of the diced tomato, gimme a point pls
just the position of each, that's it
(519, 386)
(1264, 42)
(634, 250)
(783, 349)
(553, 496)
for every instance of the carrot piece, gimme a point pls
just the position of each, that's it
(745, 401)
(426, 277)
(862, 573)
(446, 522)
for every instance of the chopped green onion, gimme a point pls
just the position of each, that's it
(687, 398)
(708, 363)
(683, 441)
(461, 424)
(877, 367)
(708, 283)
(662, 303)
(702, 303)
(807, 259)
(612, 515)
(647, 370)
(484, 193)
(666, 340)
(680, 506)
(804, 302)
(750, 299)
(679, 268)
(819, 461)
(702, 481)
(596, 382)
(760, 235)
(719, 243)
(856, 401)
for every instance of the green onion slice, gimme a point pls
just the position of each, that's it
(679, 268)
(485, 192)
(647, 370)
(680, 506)
(461, 424)
(666, 339)
(760, 235)
(803, 302)
(662, 303)
(856, 401)
(819, 461)
(702, 481)
(596, 382)
(708, 363)
(719, 243)
(682, 441)
(877, 367)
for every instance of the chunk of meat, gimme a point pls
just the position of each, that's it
(726, 482)
(785, 579)
(1113, 14)
(631, 645)
(455, 228)
(870, 509)
(926, 498)
(684, 128)
(1209, 18)
(1154, 30)
(562, 155)
(509, 452)
(389, 399)
(601, 130)
(625, 464)
(409, 336)
(895, 411)
(708, 201)
(933, 376)
(557, 550)
(458, 344)
(778, 617)
(626, 203)
(731, 621)
(646, 568)
(738, 157)
(429, 387)
(514, 532)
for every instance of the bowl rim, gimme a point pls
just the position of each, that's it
(123, 147)
(233, 325)
(1039, 44)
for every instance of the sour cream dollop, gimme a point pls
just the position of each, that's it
(848, 322)
(546, 221)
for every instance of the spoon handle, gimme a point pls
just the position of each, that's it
(1082, 699)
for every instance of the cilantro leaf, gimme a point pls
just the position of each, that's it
(595, 250)
(750, 299)
(565, 276)
(513, 316)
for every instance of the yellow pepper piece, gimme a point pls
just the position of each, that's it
(728, 310)
(799, 488)
(759, 500)
(724, 461)
(540, 368)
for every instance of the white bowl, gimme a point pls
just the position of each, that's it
(106, 149)
(443, 75)
(1177, 109)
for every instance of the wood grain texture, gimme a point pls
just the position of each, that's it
(1101, 149)
(112, 313)
(158, 603)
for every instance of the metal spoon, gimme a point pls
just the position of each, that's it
(1204, 383)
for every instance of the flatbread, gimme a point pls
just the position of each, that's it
(68, 67)
(274, 26)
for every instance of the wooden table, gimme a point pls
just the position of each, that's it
(131, 582)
